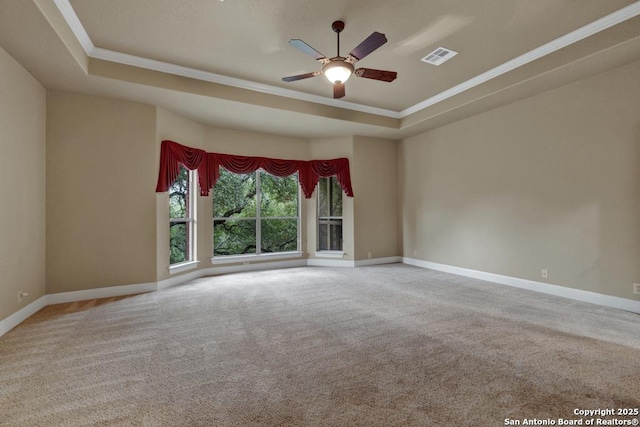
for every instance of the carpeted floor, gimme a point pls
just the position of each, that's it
(389, 345)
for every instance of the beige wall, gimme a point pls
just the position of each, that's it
(22, 186)
(101, 205)
(230, 141)
(550, 182)
(375, 186)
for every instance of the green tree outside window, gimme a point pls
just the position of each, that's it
(255, 213)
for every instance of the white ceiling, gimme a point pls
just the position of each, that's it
(231, 56)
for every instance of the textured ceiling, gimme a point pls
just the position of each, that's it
(247, 39)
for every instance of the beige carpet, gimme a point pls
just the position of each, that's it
(374, 346)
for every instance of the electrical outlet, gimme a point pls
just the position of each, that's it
(22, 296)
(415, 252)
(544, 273)
(636, 288)
(368, 254)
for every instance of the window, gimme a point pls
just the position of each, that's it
(182, 218)
(255, 213)
(329, 215)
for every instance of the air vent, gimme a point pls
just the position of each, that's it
(439, 56)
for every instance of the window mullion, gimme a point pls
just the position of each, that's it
(192, 215)
(258, 219)
(298, 217)
(329, 208)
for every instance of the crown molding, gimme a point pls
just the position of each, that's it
(65, 8)
(179, 70)
(76, 26)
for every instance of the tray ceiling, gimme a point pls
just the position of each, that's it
(243, 45)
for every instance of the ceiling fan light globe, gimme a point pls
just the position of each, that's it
(337, 71)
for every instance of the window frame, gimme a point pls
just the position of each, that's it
(191, 226)
(329, 252)
(258, 218)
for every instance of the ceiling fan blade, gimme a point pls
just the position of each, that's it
(297, 43)
(371, 43)
(338, 90)
(301, 76)
(382, 75)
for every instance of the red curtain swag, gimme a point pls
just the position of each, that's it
(208, 165)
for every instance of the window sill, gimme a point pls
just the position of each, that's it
(238, 259)
(183, 266)
(329, 254)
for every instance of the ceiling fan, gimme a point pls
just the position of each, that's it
(338, 69)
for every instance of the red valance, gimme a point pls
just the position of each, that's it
(208, 165)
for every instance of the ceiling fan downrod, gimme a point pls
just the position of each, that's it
(337, 27)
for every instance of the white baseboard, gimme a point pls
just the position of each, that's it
(324, 262)
(378, 261)
(112, 291)
(327, 262)
(178, 280)
(546, 288)
(215, 271)
(21, 315)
